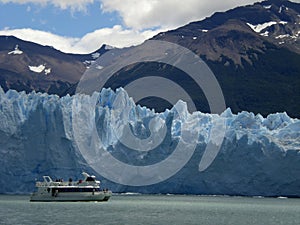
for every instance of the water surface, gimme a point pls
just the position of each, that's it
(152, 209)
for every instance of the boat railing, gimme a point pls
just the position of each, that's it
(60, 183)
(45, 184)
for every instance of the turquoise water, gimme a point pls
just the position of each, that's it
(152, 209)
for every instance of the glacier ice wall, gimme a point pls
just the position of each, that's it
(259, 156)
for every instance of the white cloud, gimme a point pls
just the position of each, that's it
(41, 37)
(74, 5)
(145, 18)
(141, 14)
(115, 36)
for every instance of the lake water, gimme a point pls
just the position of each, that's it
(152, 209)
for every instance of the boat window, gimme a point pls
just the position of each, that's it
(47, 179)
(75, 189)
(90, 179)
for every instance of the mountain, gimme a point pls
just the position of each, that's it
(258, 157)
(233, 34)
(28, 66)
(253, 51)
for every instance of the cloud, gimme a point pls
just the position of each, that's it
(144, 14)
(41, 37)
(74, 5)
(115, 36)
(143, 19)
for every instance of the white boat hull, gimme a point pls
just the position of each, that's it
(69, 197)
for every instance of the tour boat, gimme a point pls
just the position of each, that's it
(87, 189)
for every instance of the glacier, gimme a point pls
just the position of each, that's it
(259, 156)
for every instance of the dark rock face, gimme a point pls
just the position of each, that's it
(253, 51)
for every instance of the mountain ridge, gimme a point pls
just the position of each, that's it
(257, 14)
(29, 66)
(253, 50)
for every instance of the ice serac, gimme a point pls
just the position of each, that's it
(259, 156)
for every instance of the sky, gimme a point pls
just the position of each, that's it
(82, 26)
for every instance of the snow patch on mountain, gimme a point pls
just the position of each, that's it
(16, 51)
(96, 55)
(282, 8)
(283, 22)
(267, 6)
(282, 36)
(99, 67)
(37, 69)
(88, 63)
(108, 47)
(265, 34)
(47, 71)
(40, 69)
(259, 27)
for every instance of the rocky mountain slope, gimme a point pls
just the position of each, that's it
(254, 52)
(26, 66)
